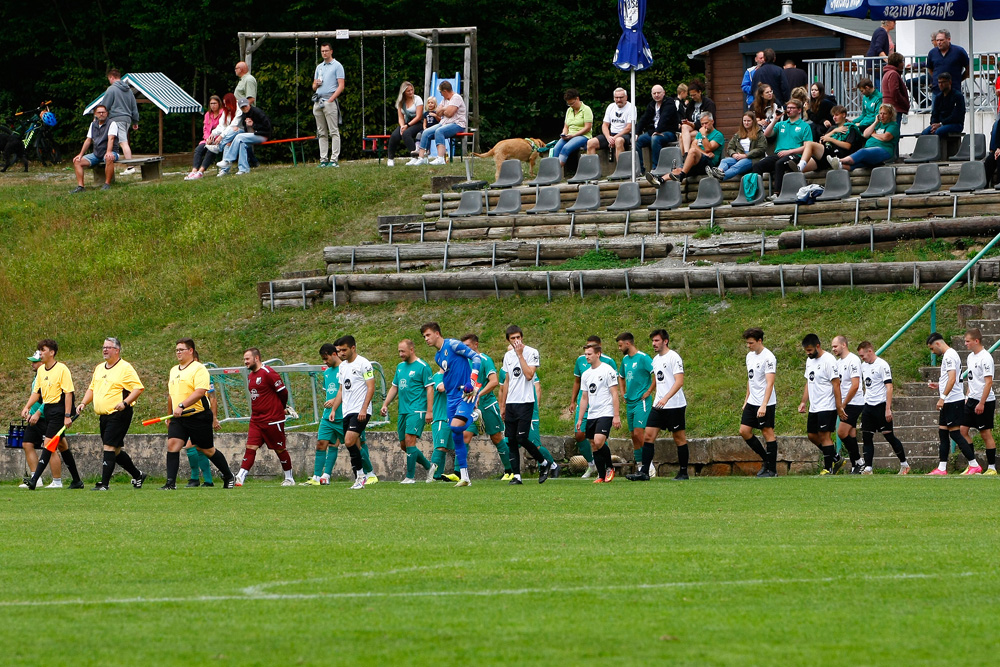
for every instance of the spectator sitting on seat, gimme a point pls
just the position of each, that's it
(257, 128)
(578, 127)
(894, 91)
(410, 112)
(993, 154)
(794, 77)
(705, 153)
(841, 140)
(771, 74)
(947, 57)
(764, 108)
(454, 119)
(746, 146)
(616, 128)
(793, 133)
(101, 135)
(680, 102)
(747, 85)
(203, 157)
(820, 109)
(880, 145)
(947, 110)
(871, 100)
(657, 126)
(698, 105)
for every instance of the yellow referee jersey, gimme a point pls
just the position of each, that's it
(183, 382)
(52, 383)
(112, 385)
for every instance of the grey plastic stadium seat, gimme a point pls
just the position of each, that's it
(741, 198)
(549, 172)
(547, 200)
(927, 149)
(837, 186)
(587, 199)
(668, 197)
(628, 198)
(926, 180)
(670, 157)
(709, 194)
(963, 149)
(470, 204)
(588, 169)
(971, 177)
(623, 168)
(510, 175)
(508, 204)
(790, 188)
(882, 183)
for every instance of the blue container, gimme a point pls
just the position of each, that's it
(15, 436)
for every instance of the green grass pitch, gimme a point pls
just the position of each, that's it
(719, 571)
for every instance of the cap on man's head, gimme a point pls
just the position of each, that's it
(37, 356)
(242, 102)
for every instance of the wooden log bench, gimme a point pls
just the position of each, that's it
(149, 167)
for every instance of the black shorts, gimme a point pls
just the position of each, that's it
(750, 418)
(873, 419)
(667, 419)
(951, 414)
(700, 168)
(356, 422)
(602, 141)
(599, 426)
(114, 427)
(52, 419)
(197, 428)
(35, 433)
(983, 422)
(824, 421)
(517, 423)
(853, 412)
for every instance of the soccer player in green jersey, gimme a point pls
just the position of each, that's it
(440, 432)
(635, 382)
(412, 383)
(583, 445)
(489, 409)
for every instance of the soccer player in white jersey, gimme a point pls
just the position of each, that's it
(952, 406)
(517, 402)
(357, 387)
(876, 376)
(822, 393)
(981, 403)
(669, 406)
(599, 404)
(849, 370)
(760, 402)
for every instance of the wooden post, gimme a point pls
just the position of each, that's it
(194, 132)
(161, 132)
(474, 86)
(428, 67)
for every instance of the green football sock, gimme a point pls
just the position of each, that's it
(586, 451)
(411, 462)
(637, 455)
(319, 462)
(504, 451)
(206, 467)
(192, 455)
(438, 458)
(331, 458)
(422, 460)
(545, 453)
(366, 463)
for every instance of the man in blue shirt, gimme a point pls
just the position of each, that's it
(948, 109)
(328, 82)
(946, 57)
(460, 365)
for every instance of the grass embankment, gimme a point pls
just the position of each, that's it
(151, 263)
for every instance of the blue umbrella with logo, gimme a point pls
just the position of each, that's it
(633, 52)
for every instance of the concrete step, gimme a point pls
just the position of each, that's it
(958, 342)
(991, 310)
(921, 434)
(988, 327)
(916, 388)
(915, 403)
(911, 418)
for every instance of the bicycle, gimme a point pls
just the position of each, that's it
(37, 129)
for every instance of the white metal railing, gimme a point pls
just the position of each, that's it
(841, 76)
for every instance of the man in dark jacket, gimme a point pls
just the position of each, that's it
(657, 126)
(794, 77)
(773, 76)
(122, 111)
(993, 154)
(256, 130)
(948, 109)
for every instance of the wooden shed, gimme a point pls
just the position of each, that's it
(792, 36)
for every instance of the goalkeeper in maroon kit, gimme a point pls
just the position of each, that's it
(268, 401)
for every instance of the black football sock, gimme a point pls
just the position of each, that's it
(602, 466)
(108, 467)
(126, 463)
(357, 463)
(869, 455)
(772, 456)
(851, 445)
(70, 462)
(647, 456)
(534, 451)
(991, 457)
(966, 448)
(944, 447)
(896, 445)
(219, 459)
(758, 449)
(173, 465)
(43, 461)
(829, 454)
(682, 458)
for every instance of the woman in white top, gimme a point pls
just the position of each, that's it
(410, 110)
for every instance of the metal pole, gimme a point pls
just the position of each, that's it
(628, 292)
(548, 286)
(635, 119)
(781, 278)
(397, 259)
(270, 288)
(333, 288)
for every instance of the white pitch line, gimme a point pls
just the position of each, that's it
(482, 593)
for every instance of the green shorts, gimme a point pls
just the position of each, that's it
(332, 432)
(534, 435)
(441, 435)
(411, 424)
(491, 421)
(637, 412)
(576, 415)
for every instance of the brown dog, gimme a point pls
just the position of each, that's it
(525, 150)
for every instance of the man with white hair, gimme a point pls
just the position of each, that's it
(658, 126)
(617, 127)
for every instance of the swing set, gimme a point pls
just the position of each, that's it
(250, 42)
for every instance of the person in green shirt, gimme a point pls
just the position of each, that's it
(793, 133)
(440, 432)
(577, 128)
(706, 152)
(489, 409)
(583, 445)
(635, 383)
(840, 141)
(871, 100)
(880, 145)
(412, 383)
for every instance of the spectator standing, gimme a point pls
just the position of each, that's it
(410, 111)
(948, 109)
(203, 157)
(101, 136)
(947, 57)
(658, 126)
(691, 120)
(894, 90)
(247, 86)
(328, 84)
(616, 129)
(122, 111)
(578, 127)
(772, 75)
(680, 102)
(882, 45)
(454, 119)
(257, 128)
(747, 85)
(794, 77)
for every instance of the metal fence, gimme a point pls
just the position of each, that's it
(841, 76)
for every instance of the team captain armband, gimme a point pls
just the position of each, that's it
(369, 374)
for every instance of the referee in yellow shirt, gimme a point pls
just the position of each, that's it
(54, 388)
(188, 385)
(114, 390)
